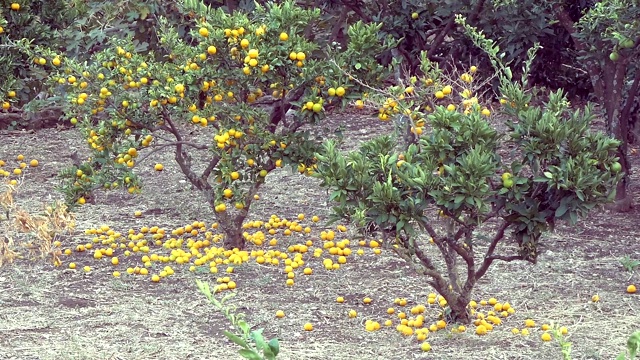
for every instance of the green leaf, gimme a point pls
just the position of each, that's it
(259, 339)
(236, 339)
(243, 326)
(249, 354)
(633, 344)
(548, 175)
(274, 345)
(562, 209)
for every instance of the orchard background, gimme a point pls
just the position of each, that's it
(149, 145)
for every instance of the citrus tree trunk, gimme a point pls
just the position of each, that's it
(232, 227)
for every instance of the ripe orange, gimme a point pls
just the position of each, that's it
(72, 265)
(159, 167)
(280, 314)
(15, 6)
(284, 36)
(545, 336)
(308, 327)
(631, 289)
(481, 330)
(340, 299)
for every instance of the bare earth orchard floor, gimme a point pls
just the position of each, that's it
(59, 313)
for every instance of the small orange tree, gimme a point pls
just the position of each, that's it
(477, 195)
(212, 82)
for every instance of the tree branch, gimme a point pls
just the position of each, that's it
(592, 67)
(506, 258)
(626, 111)
(488, 258)
(439, 283)
(182, 157)
(437, 41)
(207, 171)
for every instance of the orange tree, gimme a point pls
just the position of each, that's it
(457, 195)
(64, 29)
(39, 22)
(211, 86)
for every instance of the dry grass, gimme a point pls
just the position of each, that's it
(37, 232)
(49, 312)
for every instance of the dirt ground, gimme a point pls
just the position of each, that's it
(49, 312)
